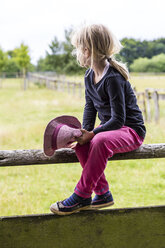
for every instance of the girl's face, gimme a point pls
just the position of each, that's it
(84, 58)
(87, 57)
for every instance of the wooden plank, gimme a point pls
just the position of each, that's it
(25, 83)
(148, 105)
(117, 228)
(141, 101)
(30, 157)
(155, 97)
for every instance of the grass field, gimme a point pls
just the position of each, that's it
(31, 189)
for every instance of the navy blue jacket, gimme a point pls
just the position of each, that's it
(115, 102)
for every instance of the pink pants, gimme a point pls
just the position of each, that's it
(93, 157)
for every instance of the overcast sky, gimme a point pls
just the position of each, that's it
(36, 22)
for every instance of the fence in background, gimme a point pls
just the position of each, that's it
(155, 95)
(150, 97)
(146, 99)
(59, 83)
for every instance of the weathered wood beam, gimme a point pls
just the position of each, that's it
(117, 228)
(30, 157)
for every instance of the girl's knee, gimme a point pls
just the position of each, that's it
(99, 138)
(81, 148)
(100, 145)
(98, 141)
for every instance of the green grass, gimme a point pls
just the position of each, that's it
(31, 189)
(146, 81)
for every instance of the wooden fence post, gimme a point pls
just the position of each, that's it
(62, 83)
(148, 104)
(47, 83)
(156, 104)
(25, 83)
(58, 85)
(142, 95)
(67, 85)
(73, 88)
(144, 106)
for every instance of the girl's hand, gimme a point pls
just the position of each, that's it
(73, 145)
(85, 137)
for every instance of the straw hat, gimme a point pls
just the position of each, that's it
(60, 132)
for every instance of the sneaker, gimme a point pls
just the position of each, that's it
(102, 201)
(71, 205)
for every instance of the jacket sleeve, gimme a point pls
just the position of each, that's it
(115, 91)
(89, 115)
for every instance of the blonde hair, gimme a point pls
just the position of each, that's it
(101, 43)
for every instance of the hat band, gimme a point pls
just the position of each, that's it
(54, 136)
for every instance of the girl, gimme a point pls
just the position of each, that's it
(108, 93)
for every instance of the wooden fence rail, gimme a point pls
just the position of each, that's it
(56, 83)
(31, 157)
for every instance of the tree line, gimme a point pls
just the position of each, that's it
(140, 56)
(15, 62)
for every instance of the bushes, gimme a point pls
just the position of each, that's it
(155, 64)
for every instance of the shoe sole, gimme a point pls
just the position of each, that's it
(67, 213)
(96, 207)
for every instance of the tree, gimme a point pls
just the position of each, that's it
(71, 65)
(42, 65)
(11, 68)
(54, 58)
(3, 60)
(22, 58)
(134, 49)
(59, 58)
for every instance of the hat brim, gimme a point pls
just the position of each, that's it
(64, 119)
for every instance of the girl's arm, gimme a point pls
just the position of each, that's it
(115, 91)
(89, 118)
(89, 115)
